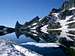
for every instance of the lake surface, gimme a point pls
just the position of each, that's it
(12, 37)
(45, 51)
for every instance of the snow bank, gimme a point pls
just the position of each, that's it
(8, 48)
(25, 51)
(42, 44)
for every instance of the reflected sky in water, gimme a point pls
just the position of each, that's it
(13, 38)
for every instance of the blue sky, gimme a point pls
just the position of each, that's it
(25, 10)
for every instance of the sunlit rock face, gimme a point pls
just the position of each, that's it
(58, 26)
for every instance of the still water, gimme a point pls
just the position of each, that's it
(45, 51)
(12, 37)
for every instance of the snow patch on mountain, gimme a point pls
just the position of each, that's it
(44, 29)
(73, 8)
(34, 27)
(25, 51)
(34, 24)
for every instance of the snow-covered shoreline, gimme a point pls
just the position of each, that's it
(8, 48)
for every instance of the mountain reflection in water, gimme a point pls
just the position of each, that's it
(45, 51)
(29, 37)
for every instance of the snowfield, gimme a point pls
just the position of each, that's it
(8, 48)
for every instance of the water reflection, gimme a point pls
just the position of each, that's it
(12, 37)
(6, 30)
(57, 26)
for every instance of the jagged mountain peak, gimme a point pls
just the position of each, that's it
(68, 4)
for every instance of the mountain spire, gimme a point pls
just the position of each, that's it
(17, 24)
(68, 4)
(72, 3)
